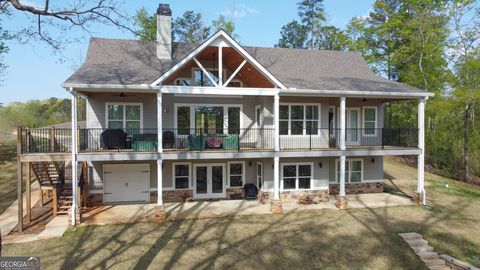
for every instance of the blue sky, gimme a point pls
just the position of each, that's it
(34, 72)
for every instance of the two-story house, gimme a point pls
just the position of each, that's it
(174, 122)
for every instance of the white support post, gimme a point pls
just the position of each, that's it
(220, 66)
(276, 178)
(342, 145)
(74, 157)
(160, 148)
(276, 159)
(276, 122)
(342, 122)
(159, 121)
(159, 182)
(421, 147)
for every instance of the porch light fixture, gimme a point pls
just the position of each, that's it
(364, 100)
(250, 163)
(373, 160)
(122, 95)
(320, 164)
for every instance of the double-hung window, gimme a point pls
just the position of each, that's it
(236, 173)
(299, 119)
(369, 121)
(124, 115)
(353, 170)
(296, 176)
(181, 175)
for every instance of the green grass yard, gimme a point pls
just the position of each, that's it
(8, 175)
(353, 239)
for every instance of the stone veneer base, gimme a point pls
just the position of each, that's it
(358, 188)
(292, 196)
(341, 202)
(417, 198)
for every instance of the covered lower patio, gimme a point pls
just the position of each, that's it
(118, 214)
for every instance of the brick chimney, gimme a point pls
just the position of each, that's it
(164, 32)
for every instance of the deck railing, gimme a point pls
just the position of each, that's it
(50, 140)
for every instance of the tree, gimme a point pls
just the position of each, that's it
(293, 35)
(332, 38)
(189, 28)
(463, 43)
(222, 23)
(312, 15)
(54, 23)
(147, 25)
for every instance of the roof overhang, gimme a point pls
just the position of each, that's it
(112, 87)
(354, 93)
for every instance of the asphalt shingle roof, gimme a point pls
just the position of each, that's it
(132, 62)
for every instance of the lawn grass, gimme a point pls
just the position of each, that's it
(8, 174)
(327, 239)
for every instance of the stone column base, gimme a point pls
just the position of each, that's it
(276, 206)
(160, 212)
(342, 202)
(78, 216)
(417, 198)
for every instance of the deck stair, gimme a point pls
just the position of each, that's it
(51, 178)
(423, 250)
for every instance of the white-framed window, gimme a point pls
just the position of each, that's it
(296, 176)
(124, 115)
(353, 170)
(183, 82)
(208, 118)
(369, 121)
(181, 173)
(259, 174)
(236, 173)
(235, 83)
(299, 119)
(201, 79)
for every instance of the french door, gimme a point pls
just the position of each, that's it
(353, 125)
(209, 181)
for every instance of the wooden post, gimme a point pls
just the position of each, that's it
(85, 190)
(52, 140)
(54, 201)
(29, 193)
(19, 180)
(78, 139)
(41, 193)
(27, 139)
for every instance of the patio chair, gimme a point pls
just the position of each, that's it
(250, 191)
(168, 139)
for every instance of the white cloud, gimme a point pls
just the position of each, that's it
(239, 11)
(30, 3)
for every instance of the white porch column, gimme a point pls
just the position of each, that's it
(74, 209)
(342, 146)
(421, 196)
(276, 203)
(160, 211)
(160, 148)
(276, 121)
(276, 160)
(276, 178)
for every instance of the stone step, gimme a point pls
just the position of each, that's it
(411, 236)
(417, 242)
(434, 262)
(439, 267)
(427, 255)
(422, 249)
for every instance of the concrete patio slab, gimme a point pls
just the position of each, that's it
(55, 228)
(118, 214)
(9, 218)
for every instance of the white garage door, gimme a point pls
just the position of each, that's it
(126, 183)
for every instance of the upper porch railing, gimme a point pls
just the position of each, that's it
(50, 140)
